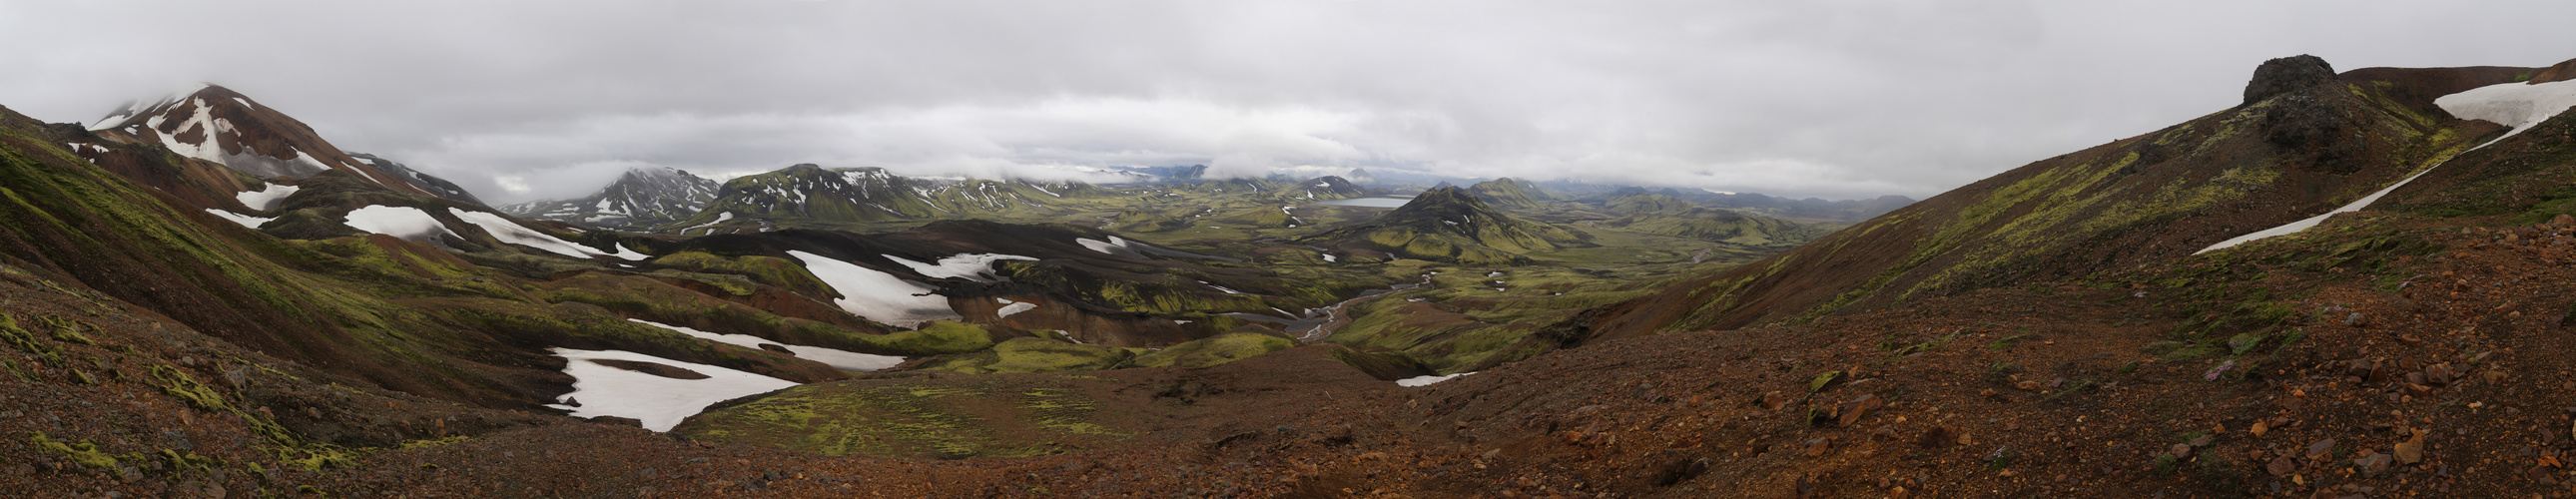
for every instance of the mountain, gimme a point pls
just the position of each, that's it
(1666, 215)
(1508, 193)
(437, 186)
(1325, 188)
(810, 195)
(1451, 224)
(2304, 141)
(1361, 176)
(1843, 210)
(219, 125)
(1813, 209)
(639, 199)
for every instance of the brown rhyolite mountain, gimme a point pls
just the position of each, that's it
(219, 125)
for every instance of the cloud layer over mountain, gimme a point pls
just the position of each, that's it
(523, 100)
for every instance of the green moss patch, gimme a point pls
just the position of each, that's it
(1212, 351)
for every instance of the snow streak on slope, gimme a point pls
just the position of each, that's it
(245, 220)
(1012, 307)
(510, 232)
(267, 197)
(878, 296)
(1114, 246)
(600, 390)
(2515, 105)
(1422, 381)
(398, 221)
(976, 267)
(838, 359)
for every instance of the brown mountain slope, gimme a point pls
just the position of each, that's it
(381, 311)
(2302, 143)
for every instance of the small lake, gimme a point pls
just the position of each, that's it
(1369, 202)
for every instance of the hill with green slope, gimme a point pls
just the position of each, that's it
(1450, 224)
(1665, 215)
(2304, 141)
(1509, 193)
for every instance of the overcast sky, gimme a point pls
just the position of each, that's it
(519, 100)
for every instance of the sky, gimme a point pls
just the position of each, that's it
(519, 100)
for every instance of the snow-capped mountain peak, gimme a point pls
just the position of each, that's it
(219, 125)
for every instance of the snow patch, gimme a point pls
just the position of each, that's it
(657, 401)
(878, 296)
(2516, 105)
(245, 220)
(1421, 381)
(1115, 246)
(266, 198)
(511, 232)
(838, 359)
(628, 254)
(399, 221)
(976, 267)
(1329, 258)
(720, 218)
(1011, 307)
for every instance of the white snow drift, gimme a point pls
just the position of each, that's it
(659, 402)
(1421, 381)
(838, 359)
(1114, 246)
(878, 296)
(2514, 105)
(1012, 307)
(511, 232)
(398, 221)
(266, 198)
(976, 267)
(245, 220)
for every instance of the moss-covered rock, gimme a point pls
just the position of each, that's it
(1029, 355)
(1221, 349)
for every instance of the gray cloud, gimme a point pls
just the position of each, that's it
(522, 100)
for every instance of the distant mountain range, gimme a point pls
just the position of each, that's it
(638, 200)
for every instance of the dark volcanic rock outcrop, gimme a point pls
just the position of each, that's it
(2287, 74)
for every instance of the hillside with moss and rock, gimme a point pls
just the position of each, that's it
(2349, 283)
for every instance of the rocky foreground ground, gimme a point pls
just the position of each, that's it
(2382, 356)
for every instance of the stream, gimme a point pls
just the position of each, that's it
(1316, 324)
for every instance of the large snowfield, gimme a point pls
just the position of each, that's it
(660, 402)
(2516, 105)
(878, 296)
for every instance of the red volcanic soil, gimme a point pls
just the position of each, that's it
(2563, 71)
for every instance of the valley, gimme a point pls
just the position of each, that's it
(204, 297)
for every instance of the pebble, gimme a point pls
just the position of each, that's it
(2412, 450)
(2318, 450)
